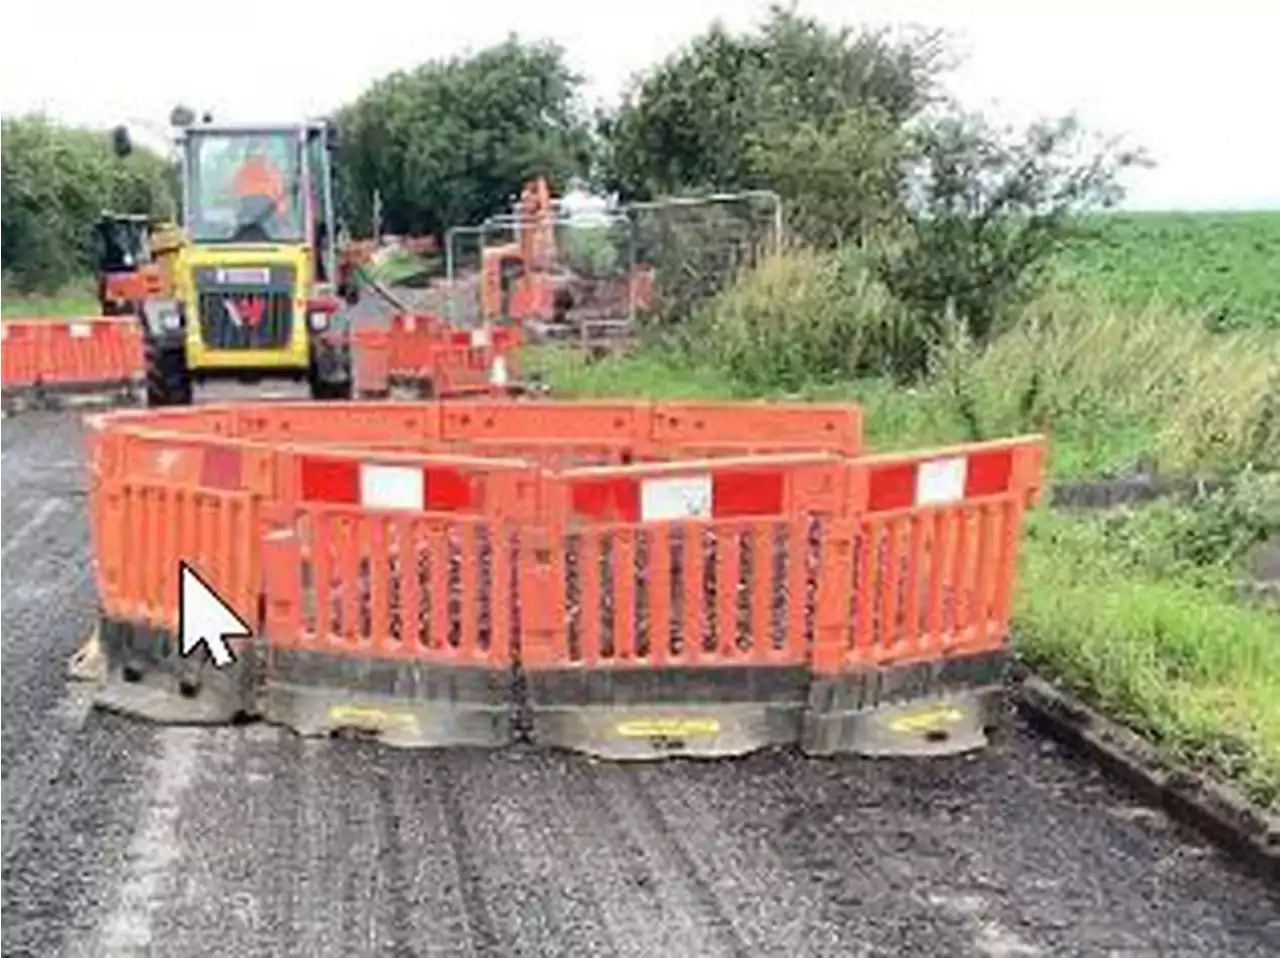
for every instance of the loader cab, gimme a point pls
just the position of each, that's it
(268, 185)
(122, 242)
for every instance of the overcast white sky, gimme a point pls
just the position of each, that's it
(1198, 88)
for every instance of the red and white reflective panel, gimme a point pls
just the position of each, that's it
(680, 497)
(80, 330)
(386, 486)
(665, 498)
(939, 482)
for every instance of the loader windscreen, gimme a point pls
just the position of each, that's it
(245, 187)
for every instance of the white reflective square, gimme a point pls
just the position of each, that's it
(480, 337)
(392, 487)
(680, 497)
(940, 481)
(498, 372)
(79, 330)
(410, 322)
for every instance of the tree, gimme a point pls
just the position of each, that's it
(987, 207)
(843, 181)
(696, 122)
(56, 182)
(452, 141)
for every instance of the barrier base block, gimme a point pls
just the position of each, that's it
(410, 704)
(647, 713)
(145, 676)
(934, 708)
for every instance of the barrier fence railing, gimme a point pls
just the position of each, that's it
(626, 579)
(45, 357)
(70, 355)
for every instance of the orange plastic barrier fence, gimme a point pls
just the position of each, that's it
(72, 354)
(87, 354)
(21, 353)
(445, 361)
(640, 578)
(371, 362)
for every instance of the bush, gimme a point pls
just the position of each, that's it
(56, 182)
(803, 318)
(1116, 386)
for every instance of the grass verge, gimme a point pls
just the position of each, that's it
(1176, 660)
(77, 299)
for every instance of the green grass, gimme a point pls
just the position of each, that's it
(1177, 660)
(1222, 266)
(77, 299)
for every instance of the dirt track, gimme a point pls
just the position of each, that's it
(123, 838)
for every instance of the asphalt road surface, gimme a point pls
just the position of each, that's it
(122, 838)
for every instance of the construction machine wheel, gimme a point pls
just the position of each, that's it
(323, 390)
(168, 379)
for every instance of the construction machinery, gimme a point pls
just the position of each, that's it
(127, 274)
(539, 277)
(517, 279)
(257, 286)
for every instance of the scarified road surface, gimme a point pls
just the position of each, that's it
(122, 838)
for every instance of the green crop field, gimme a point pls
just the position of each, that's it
(1225, 265)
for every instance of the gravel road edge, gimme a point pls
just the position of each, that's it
(1239, 826)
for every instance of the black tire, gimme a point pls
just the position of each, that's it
(322, 391)
(168, 379)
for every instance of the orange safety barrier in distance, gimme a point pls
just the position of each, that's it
(443, 361)
(76, 355)
(371, 362)
(91, 353)
(21, 353)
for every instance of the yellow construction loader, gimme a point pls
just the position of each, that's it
(254, 288)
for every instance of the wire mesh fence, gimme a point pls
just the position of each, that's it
(598, 278)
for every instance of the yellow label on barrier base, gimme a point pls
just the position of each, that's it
(367, 717)
(667, 727)
(926, 720)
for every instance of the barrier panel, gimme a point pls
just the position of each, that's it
(672, 604)
(631, 580)
(76, 355)
(21, 366)
(160, 499)
(917, 607)
(441, 360)
(90, 353)
(389, 595)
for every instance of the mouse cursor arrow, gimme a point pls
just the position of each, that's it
(203, 616)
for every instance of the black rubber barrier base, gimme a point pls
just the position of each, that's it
(936, 708)
(399, 702)
(628, 714)
(613, 713)
(145, 676)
